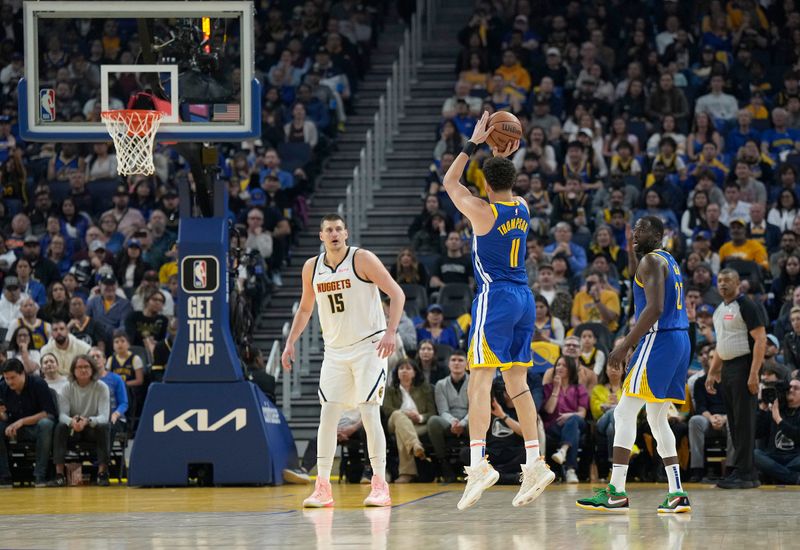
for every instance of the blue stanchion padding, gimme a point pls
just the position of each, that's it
(204, 350)
(205, 412)
(233, 426)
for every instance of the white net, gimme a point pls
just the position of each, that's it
(133, 133)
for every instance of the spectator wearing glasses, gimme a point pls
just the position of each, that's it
(572, 348)
(84, 407)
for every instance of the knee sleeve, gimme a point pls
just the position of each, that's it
(659, 425)
(625, 415)
(376, 438)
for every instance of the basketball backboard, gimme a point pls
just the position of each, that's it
(196, 58)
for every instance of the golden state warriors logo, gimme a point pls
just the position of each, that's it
(199, 274)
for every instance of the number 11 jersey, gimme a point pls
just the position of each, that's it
(349, 307)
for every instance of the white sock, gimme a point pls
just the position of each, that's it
(531, 451)
(618, 474)
(674, 478)
(477, 450)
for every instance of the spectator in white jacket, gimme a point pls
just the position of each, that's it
(452, 405)
(300, 129)
(716, 103)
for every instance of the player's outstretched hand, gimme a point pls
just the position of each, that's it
(511, 146)
(287, 357)
(387, 345)
(481, 132)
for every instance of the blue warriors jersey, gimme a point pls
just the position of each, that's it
(673, 316)
(500, 254)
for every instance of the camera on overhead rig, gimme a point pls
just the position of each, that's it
(187, 48)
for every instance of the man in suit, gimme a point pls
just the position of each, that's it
(760, 230)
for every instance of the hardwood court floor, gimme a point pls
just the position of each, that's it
(424, 517)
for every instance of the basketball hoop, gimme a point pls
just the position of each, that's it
(133, 132)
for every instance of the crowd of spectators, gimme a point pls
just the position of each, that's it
(689, 111)
(88, 260)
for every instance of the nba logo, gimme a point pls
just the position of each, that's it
(199, 274)
(47, 104)
(199, 270)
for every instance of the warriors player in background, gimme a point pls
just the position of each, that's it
(503, 316)
(344, 281)
(657, 369)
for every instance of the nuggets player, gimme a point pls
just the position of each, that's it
(657, 373)
(344, 282)
(503, 316)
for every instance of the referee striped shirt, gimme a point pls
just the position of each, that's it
(733, 322)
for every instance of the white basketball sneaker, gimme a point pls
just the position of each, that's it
(534, 479)
(479, 478)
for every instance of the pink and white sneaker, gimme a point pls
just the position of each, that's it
(322, 497)
(379, 495)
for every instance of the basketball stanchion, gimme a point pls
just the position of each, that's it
(205, 411)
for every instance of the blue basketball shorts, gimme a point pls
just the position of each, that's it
(503, 321)
(658, 367)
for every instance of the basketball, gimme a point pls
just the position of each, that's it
(506, 128)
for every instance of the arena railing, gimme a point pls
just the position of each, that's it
(379, 140)
(360, 193)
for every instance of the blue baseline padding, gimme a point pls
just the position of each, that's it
(256, 453)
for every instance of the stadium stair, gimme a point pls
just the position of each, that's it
(398, 200)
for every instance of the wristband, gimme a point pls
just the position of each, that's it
(504, 418)
(469, 148)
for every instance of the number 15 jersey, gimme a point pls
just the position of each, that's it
(349, 307)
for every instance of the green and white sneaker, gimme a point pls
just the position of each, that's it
(675, 503)
(606, 500)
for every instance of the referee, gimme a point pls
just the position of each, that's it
(741, 341)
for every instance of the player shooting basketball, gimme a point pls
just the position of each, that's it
(345, 280)
(503, 315)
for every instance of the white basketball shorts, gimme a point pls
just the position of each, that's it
(354, 374)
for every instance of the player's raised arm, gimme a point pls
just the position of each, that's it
(303, 314)
(472, 207)
(651, 274)
(371, 269)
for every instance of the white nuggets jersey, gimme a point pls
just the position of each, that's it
(349, 307)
